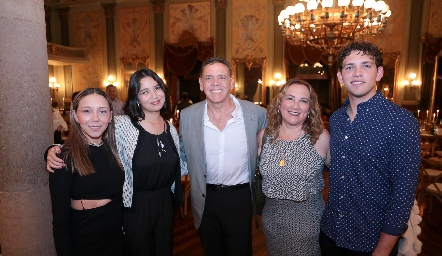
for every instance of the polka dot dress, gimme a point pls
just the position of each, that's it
(291, 216)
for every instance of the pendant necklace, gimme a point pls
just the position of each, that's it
(281, 162)
(160, 145)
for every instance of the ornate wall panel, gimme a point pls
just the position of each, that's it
(435, 24)
(134, 32)
(87, 32)
(249, 28)
(189, 17)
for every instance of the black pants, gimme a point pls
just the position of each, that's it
(149, 227)
(329, 248)
(226, 225)
(98, 231)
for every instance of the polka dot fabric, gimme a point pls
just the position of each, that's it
(291, 216)
(373, 173)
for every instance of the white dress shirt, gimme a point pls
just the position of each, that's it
(117, 106)
(226, 150)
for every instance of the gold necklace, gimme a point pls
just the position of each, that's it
(282, 161)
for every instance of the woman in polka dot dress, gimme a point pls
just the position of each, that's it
(295, 151)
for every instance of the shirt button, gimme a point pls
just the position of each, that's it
(342, 176)
(342, 197)
(340, 215)
(203, 195)
(346, 137)
(343, 157)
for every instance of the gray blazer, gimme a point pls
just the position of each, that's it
(193, 150)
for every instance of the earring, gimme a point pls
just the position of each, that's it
(138, 104)
(278, 111)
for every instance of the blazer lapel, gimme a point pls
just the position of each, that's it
(198, 120)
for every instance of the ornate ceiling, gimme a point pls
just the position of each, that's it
(65, 3)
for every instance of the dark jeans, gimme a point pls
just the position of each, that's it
(329, 248)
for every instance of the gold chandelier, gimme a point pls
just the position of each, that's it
(329, 24)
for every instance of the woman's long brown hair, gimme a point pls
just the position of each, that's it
(76, 145)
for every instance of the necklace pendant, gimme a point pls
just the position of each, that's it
(282, 162)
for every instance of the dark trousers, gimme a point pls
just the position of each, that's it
(98, 231)
(329, 248)
(149, 227)
(226, 225)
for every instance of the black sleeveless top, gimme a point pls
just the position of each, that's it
(155, 160)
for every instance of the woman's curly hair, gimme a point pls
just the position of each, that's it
(312, 125)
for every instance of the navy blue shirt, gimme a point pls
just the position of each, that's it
(374, 172)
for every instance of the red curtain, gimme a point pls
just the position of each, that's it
(430, 49)
(180, 60)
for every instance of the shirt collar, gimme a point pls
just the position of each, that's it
(372, 102)
(236, 114)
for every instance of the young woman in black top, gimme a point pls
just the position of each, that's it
(87, 193)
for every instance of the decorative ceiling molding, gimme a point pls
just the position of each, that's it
(65, 3)
(59, 55)
(220, 4)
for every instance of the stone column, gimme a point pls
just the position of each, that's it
(25, 130)
(278, 58)
(110, 38)
(64, 23)
(221, 6)
(158, 10)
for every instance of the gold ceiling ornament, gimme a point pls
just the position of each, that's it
(250, 61)
(330, 24)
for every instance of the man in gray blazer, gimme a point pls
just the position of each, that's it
(218, 140)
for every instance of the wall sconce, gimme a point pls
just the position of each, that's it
(386, 89)
(412, 80)
(278, 81)
(53, 85)
(110, 80)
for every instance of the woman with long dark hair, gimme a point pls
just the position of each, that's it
(86, 194)
(149, 151)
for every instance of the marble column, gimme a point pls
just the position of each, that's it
(158, 10)
(110, 38)
(221, 6)
(25, 130)
(64, 23)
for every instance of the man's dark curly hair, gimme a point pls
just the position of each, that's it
(366, 48)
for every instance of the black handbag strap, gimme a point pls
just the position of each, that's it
(255, 215)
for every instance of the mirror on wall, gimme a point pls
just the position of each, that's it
(248, 74)
(388, 84)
